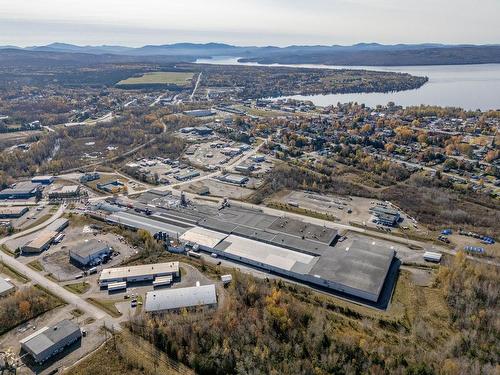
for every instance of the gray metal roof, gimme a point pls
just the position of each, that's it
(88, 247)
(384, 211)
(299, 228)
(169, 299)
(57, 224)
(260, 252)
(142, 222)
(363, 266)
(256, 234)
(299, 244)
(26, 187)
(218, 225)
(5, 286)
(47, 337)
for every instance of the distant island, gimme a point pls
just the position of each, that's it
(366, 54)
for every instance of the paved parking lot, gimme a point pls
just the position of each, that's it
(94, 337)
(56, 261)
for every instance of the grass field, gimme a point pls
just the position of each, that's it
(6, 250)
(106, 305)
(126, 354)
(38, 221)
(8, 271)
(159, 78)
(78, 288)
(36, 265)
(76, 313)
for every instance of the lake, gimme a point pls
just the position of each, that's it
(467, 86)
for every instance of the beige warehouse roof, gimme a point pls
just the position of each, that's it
(136, 271)
(275, 256)
(12, 210)
(203, 237)
(42, 239)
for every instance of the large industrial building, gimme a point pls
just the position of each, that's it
(91, 176)
(44, 180)
(65, 192)
(385, 216)
(281, 245)
(117, 277)
(113, 187)
(199, 113)
(44, 239)
(40, 243)
(12, 212)
(22, 190)
(49, 341)
(89, 253)
(179, 298)
(58, 225)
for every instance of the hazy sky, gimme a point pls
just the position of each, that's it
(248, 22)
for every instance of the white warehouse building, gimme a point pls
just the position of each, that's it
(146, 272)
(174, 299)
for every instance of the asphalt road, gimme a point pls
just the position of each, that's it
(191, 97)
(39, 279)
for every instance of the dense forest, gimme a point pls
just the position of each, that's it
(23, 305)
(411, 55)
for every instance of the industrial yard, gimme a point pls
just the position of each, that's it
(195, 209)
(209, 208)
(345, 257)
(286, 246)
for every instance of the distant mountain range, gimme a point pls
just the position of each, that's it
(373, 54)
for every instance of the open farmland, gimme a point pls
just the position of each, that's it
(181, 79)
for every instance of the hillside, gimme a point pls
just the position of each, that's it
(371, 54)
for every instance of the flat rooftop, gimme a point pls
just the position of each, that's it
(47, 337)
(218, 225)
(42, 239)
(141, 270)
(203, 237)
(86, 248)
(363, 265)
(285, 245)
(22, 188)
(265, 253)
(302, 229)
(5, 286)
(67, 189)
(14, 210)
(385, 210)
(151, 196)
(169, 299)
(142, 222)
(255, 224)
(57, 224)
